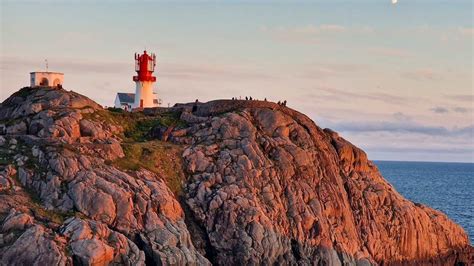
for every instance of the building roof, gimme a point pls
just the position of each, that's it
(46, 72)
(126, 97)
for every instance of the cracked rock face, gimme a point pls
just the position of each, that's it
(264, 185)
(269, 186)
(73, 206)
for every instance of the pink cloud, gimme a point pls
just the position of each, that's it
(390, 52)
(468, 32)
(313, 33)
(422, 74)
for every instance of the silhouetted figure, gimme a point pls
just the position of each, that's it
(279, 103)
(284, 103)
(265, 99)
(195, 106)
(251, 98)
(246, 98)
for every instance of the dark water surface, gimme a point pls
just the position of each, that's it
(448, 187)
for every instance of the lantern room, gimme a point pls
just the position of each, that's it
(145, 66)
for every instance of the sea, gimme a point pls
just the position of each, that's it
(448, 187)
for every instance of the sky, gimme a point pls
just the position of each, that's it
(393, 79)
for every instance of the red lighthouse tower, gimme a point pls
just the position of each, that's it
(144, 66)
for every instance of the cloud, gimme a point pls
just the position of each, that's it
(329, 70)
(166, 69)
(331, 28)
(308, 29)
(313, 33)
(342, 95)
(403, 127)
(464, 31)
(398, 136)
(444, 110)
(462, 97)
(401, 116)
(212, 71)
(439, 110)
(66, 65)
(443, 34)
(405, 150)
(422, 74)
(460, 110)
(391, 52)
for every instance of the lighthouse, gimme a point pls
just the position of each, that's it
(144, 97)
(144, 80)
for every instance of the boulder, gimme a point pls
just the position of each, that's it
(16, 221)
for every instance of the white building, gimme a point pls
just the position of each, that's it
(126, 101)
(144, 96)
(46, 79)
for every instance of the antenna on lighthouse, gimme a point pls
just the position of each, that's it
(46, 62)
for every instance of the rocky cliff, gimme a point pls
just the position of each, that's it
(225, 182)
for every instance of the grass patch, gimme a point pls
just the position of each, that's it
(115, 110)
(136, 125)
(34, 204)
(139, 130)
(45, 215)
(5, 157)
(161, 158)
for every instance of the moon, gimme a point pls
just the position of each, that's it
(394, 1)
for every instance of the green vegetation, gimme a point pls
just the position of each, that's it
(161, 158)
(139, 130)
(136, 125)
(45, 215)
(5, 157)
(141, 150)
(115, 110)
(34, 204)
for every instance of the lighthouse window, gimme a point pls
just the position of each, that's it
(150, 65)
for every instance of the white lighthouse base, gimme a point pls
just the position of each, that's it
(144, 97)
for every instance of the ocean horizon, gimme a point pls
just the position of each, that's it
(416, 161)
(444, 186)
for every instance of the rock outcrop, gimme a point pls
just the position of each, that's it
(271, 187)
(263, 185)
(95, 213)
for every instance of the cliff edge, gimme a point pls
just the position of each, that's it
(223, 182)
